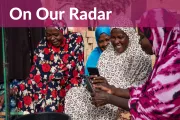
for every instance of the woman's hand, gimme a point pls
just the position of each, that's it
(99, 98)
(98, 80)
(124, 93)
(1, 101)
(110, 89)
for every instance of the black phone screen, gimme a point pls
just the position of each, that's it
(93, 71)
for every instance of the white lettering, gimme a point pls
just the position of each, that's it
(83, 16)
(45, 11)
(26, 13)
(101, 15)
(108, 13)
(92, 14)
(20, 13)
(61, 15)
(57, 15)
(74, 13)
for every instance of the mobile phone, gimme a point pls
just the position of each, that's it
(89, 84)
(93, 71)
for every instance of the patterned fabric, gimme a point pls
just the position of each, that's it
(129, 68)
(159, 97)
(54, 72)
(12, 98)
(60, 25)
(95, 54)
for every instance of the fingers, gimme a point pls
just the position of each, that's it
(92, 94)
(95, 81)
(97, 102)
(98, 98)
(101, 87)
(93, 76)
(99, 78)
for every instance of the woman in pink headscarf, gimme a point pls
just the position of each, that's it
(58, 66)
(159, 97)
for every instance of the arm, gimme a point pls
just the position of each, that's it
(25, 84)
(124, 93)
(79, 59)
(119, 92)
(118, 101)
(100, 98)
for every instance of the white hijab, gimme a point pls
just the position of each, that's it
(130, 68)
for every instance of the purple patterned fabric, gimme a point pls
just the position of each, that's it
(159, 97)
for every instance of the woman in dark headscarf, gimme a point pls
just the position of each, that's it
(159, 97)
(58, 66)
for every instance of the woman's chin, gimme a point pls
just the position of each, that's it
(56, 45)
(119, 51)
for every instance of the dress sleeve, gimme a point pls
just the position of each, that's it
(27, 83)
(25, 89)
(78, 70)
(158, 97)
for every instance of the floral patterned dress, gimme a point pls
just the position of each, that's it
(54, 72)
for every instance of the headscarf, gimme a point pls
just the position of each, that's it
(159, 97)
(58, 24)
(128, 68)
(94, 56)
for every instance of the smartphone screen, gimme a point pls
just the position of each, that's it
(93, 71)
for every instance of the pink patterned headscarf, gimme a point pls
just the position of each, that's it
(159, 97)
(59, 25)
(157, 24)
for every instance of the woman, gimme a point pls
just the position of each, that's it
(102, 38)
(121, 61)
(58, 66)
(159, 97)
(124, 64)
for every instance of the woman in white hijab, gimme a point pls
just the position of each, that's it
(123, 64)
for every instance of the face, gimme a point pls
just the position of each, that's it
(119, 40)
(103, 41)
(145, 44)
(54, 36)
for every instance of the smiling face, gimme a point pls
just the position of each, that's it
(103, 41)
(54, 36)
(119, 40)
(145, 44)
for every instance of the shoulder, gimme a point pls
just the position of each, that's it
(73, 35)
(74, 38)
(106, 54)
(96, 52)
(41, 45)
